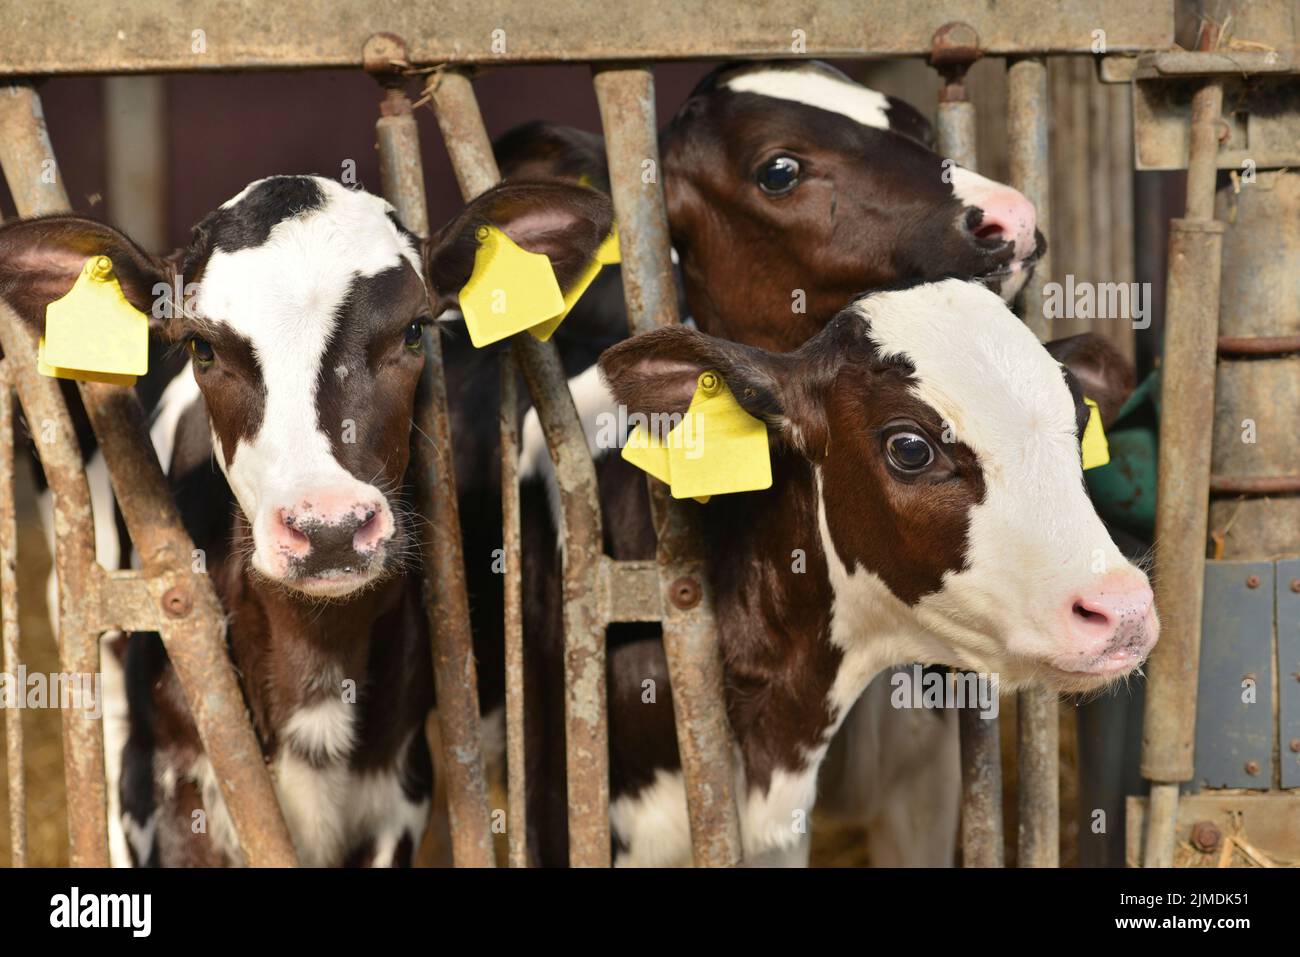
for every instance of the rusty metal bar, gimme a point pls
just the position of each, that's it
(516, 769)
(188, 615)
(1258, 345)
(1254, 484)
(26, 157)
(445, 595)
(586, 731)
(981, 768)
(74, 557)
(9, 624)
(1183, 478)
(141, 36)
(690, 634)
(1028, 116)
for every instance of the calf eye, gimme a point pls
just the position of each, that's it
(779, 175)
(909, 452)
(201, 350)
(414, 336)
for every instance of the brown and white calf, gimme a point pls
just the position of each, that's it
(937, 496)
(790, 189)
(306, 309)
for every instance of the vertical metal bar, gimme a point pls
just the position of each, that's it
(1027, 125)
(1038, 726)
(586, 730)
(192, 622)
(135, 148)
(445, 594)
(981, 769)
(1037, 720)
(690, 636)
(1183, 475)
(516, 780)
(9, 623)
(26, 156)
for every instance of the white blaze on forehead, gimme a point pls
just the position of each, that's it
(284, 297)
(823, 88)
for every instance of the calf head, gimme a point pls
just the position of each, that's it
(778, 173)
(943, 443)
(304, 314)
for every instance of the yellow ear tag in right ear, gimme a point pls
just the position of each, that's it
(1096, 450)
(603, 257)
(92, 333)
(510, 289)
(718, 447)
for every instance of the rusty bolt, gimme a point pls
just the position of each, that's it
(1295, 745)
(954, 43)
(383, 53)
(1252, 581)
(177, 602)
(1206, 836)
(684, 593)
(1252, 767)
(1295, 585)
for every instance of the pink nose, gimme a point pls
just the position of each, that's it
(1113, 617)
(330, 532)
(1006, 215)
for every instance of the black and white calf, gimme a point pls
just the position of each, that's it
(938, 497)
(307, 310)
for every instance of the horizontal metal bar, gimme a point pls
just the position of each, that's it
(1213, 63)
(1255, 484)
(143, 36)
(1258, 345)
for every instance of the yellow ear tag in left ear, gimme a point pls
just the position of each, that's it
(606, 255)
(509, 291)
(649, 454)
(92, 333)
(718, 447)
(1096, 450)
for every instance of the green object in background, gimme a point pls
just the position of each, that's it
(1125, 490)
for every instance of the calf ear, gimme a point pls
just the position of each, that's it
(658, 372)
(565, 222)
(41, 258)
(1104, 374)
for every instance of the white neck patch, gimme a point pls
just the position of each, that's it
(824, 89)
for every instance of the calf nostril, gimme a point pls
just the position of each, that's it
(1087, 614)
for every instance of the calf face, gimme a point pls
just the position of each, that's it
(777, 175)
(304, 312)
(943, 440)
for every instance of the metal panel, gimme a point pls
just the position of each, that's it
(143, 36)
(1288, 664)
(1261, 116)
(1234, 737)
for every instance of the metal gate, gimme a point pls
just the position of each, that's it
(446, 43)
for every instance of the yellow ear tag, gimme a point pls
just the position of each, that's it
(602, 258)
(509, 291)
(718, 447)
(1096, 450)
(93, 333)
(648, 453)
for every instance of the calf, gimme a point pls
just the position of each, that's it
(790, 188)
(305, 316)
(937, 495)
